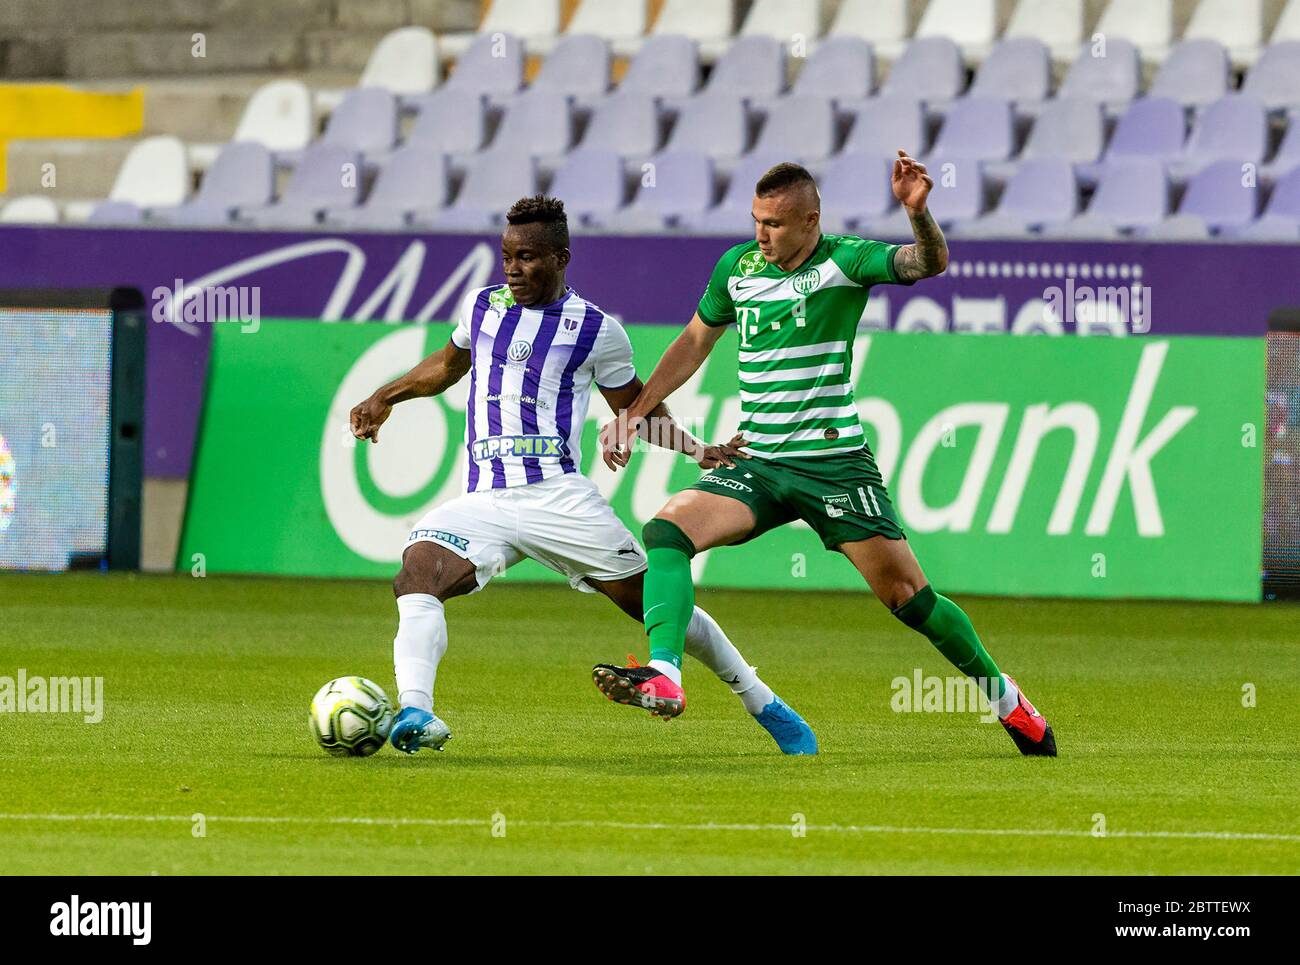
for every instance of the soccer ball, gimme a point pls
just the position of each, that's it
(351, 717)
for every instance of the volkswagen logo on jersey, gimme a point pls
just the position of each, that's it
(519, 350)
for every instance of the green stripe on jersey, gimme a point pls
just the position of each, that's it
(796, 340)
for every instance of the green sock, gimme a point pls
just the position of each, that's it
(949, 628)
(669, 598)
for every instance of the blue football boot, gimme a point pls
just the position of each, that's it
(415, 728)
(791, 733)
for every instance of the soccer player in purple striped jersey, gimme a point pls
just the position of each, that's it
(533, 349)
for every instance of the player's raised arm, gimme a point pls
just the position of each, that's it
(928, 256)
(437, 373)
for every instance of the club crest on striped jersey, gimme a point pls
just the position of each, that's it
(519, 350)
(752, 263)
(807, 281)
(502, 298)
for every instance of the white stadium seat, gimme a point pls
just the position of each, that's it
(882, 23)
(708, 22)
(278, 116)
(1288, 24)
(970, 24)
(1148, 24)
(620, 22)
(784, 20)
(405, 62)
(532, 21)
(1057, 23)
(30, 209)
(1237, 24)
(155, 173)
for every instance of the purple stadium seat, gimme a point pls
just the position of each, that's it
(242, 175)
(881, 125)
(493, 65)
(449, 121)
(1069, 128)
(712, 124)
(733, 215)
(496, 180)
(1152, 127)
(626, 122)
(1218, 197)
(1287, 157)
(1017, 69)
(856, 189)
(1275, 79)
(665, 66)
(1194, 74)
(1110, 80)
(682, 186)
(328, 176)
(1085, 227)
(579, 65)
(1133, 192)
(412, 183)
(976, 127)
(1234, 128)
(930, 71)
(1042, 191)
(799, 126)
(590, 183)
(538, 122)
(115, 213)
(1177, 227)
(840, 68)
(1280, 220)
(752, 67)
(365, 122)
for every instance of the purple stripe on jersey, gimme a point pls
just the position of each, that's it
(591, 324)
(533, 381)
(500, 348)
(475, 323)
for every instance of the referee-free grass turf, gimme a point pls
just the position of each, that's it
(207, 683)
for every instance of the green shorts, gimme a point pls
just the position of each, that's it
(842, 497)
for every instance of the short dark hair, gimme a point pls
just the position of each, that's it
(548, 212)
(783, 176)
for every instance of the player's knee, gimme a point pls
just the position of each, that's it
(662, 533)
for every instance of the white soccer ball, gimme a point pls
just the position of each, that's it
(351, 717)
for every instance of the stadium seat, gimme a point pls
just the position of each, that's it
(786, 21)
(365, 123)
(1218, 196)
(1017, 70)
(1152, 127)
(538, 122)
(1084, 227)
(714, 125)
(1237, 24)
(930, 70)
(1288, 23)
(1233, 127)
(277, 116)
(1110, 79)
(1194, 74)
(579, 66)
(667, 67)
(1133, 192)
(1177, 227)
(242, 176)
(1275, 78)
(413, 183)
(1042, 191)
(532, 21)
(1287, 156)
(155, 173)
(751, 67)
(116, 213)
(881, 23)
(971, 24)
(1057, 23)
(840, 68)
(681, 186)
(882, 125)
(327, 177)
(492, 65)
(708, 23)
(733, 215)
(976, 127)
(626, 123)
(958, 195)
(404, 62)
(497, 179)
(449, 121)
(30, 209)
(619, 22)
(1280, 220)
(1069, 128)
(1146, 24)
(590, 182)
(799, 126)
(855, 189)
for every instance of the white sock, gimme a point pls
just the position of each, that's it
(1009, 699)
(706, 642)
(669, 670)
(418, 647)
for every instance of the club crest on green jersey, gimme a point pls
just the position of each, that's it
(752, 263)
(806, 281)
(502, 298)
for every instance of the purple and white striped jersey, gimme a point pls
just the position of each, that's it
(531, 371)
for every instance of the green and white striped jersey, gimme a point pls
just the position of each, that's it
(796, 341)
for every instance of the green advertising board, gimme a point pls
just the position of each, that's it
(1084, 467)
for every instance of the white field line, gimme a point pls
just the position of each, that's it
(656, 826)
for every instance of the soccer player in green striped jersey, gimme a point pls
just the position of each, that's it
(795, 296)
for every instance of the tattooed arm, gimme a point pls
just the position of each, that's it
(928, 256)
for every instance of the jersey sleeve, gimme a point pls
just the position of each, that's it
(611, 356)
(461, 333)
(869, 262)
(716, 306)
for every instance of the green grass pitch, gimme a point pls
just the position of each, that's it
(207, 682)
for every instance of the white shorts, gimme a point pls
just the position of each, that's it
(563, 522)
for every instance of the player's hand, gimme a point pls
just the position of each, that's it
(616, 438)
(368, 416)
(910, 182)
(724, 453)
